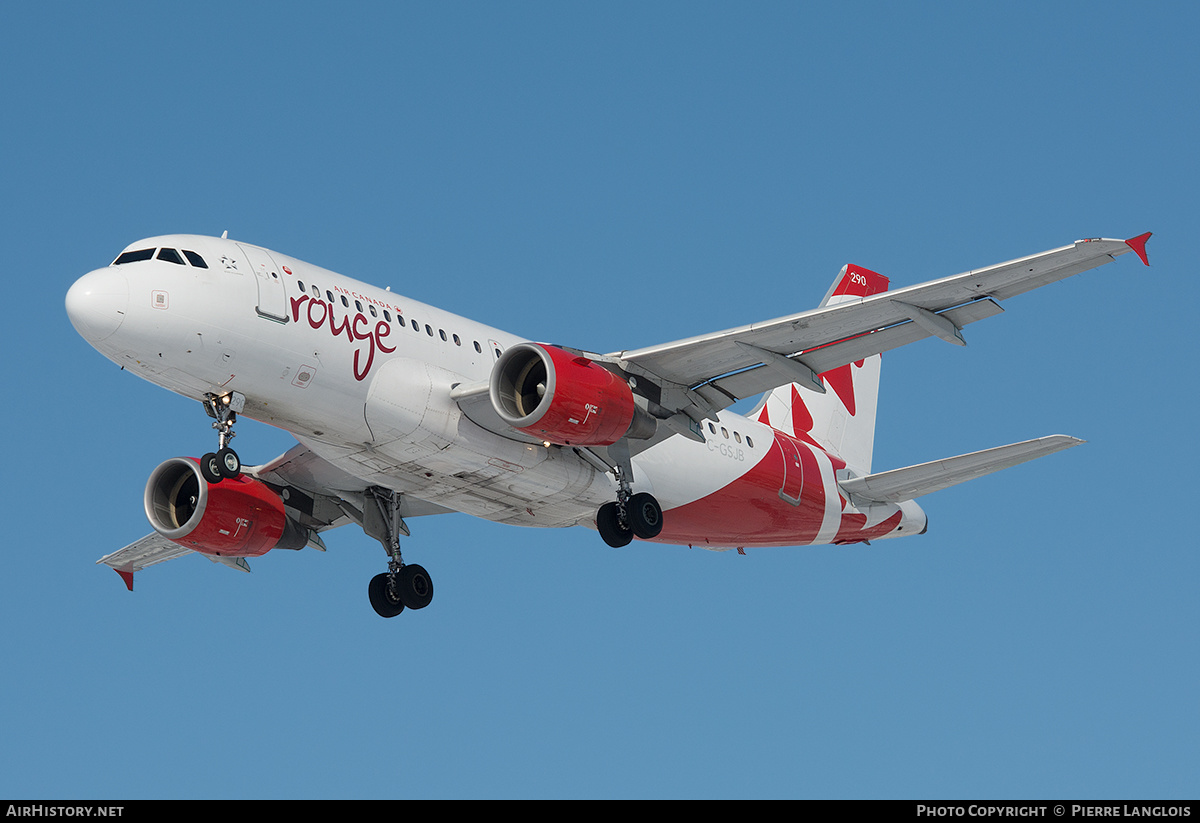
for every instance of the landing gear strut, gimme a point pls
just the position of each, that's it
(632, 515)
(224, 463)
(402, 585)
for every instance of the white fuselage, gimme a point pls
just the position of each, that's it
(363, 377)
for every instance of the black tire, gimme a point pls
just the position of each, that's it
(414, 587)
(385, 603)
(645, 516)
(608, 523)
(210, 469)
(228, 463)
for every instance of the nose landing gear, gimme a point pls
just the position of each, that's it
(224, 463)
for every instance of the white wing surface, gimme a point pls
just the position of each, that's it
(715, 370)
(148, 551)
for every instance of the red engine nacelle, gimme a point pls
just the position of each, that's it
(564, 398)
(241, 517)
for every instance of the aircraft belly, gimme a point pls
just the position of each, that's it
(419, 443)
(558, 491)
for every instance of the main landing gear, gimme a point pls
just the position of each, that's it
(631, 515)
(224, 463)
(402, 585)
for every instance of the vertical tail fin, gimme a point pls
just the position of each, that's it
(842, 420)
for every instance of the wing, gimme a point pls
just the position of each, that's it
(329, 497)
(153, 549)
(702, 375)
(148, 551)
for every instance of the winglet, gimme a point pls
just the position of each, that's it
(127, 576)
(1138, 244)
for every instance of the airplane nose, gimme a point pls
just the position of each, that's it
(97, 303)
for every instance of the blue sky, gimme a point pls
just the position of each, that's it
(610, 176)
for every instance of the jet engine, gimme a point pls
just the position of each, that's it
(238, 517)
(564, 398)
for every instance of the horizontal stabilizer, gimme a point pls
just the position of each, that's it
(914, 481)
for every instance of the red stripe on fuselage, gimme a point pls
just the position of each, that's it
(780, 501)
(753, 511)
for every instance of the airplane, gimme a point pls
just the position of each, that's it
(403, 410)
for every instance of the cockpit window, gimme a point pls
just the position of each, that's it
(170, 255)
(134, 256)
(195, 259)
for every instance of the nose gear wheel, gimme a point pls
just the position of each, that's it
(223, 463)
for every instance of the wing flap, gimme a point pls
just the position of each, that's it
(911, 482)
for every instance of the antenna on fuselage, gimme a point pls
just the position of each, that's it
(225, 234)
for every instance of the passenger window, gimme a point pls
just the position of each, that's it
(749, 442)
(373, 312)
(345, 302)
(300, 283)
(737, 437)
(416, 326)
(358, 306)
(195, 259)
(457, 342)
(134, 256)
(387, 315)
(725, 432)
(316, 292)
(442, 332)
(429, 330)
(478, 347)
(329, 296)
